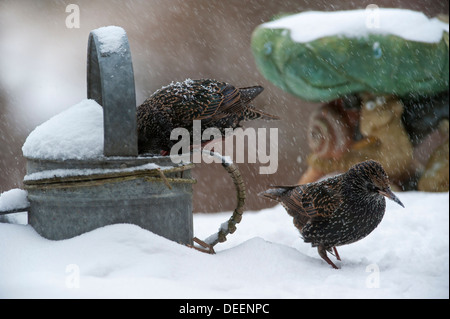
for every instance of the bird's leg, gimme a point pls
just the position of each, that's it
(323, 253)
(336, 253)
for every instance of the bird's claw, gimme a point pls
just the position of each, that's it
(323, 253)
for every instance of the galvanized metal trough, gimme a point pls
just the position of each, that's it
(120, 186)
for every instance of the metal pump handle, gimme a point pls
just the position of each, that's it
(110, 82)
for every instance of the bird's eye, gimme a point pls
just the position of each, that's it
(372, 188)
(370, 105)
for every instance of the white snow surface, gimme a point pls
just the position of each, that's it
(407, 24)
(407, 256)
(110, 38)
(76, 133)
(12, 199)
(66, 172)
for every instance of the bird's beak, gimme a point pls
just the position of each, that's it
(389, 194)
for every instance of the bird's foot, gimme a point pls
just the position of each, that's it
(323, 253)
(336, 254)
(206, 248)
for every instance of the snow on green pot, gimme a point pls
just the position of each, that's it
(321, 56)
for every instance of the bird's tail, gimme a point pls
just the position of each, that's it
(282, 194)
(276, 192)
(249, 93)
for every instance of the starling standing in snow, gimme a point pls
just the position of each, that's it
(216, 104)
(339, 210)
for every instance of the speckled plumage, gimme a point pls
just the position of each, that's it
(339, 210)
(216, 104)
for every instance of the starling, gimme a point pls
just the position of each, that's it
(339, 210)
(216, 104)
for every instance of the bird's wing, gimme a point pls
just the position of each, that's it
(231, 102)
(207, 105)
(321, 199)
(283, 194)
(236, 101)
(209, 101)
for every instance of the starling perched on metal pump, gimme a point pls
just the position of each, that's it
(339, 210)
(216, 104)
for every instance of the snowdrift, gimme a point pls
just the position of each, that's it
(407, 256)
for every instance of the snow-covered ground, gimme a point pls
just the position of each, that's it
(407, 256)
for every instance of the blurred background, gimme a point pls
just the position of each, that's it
(43, 72)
